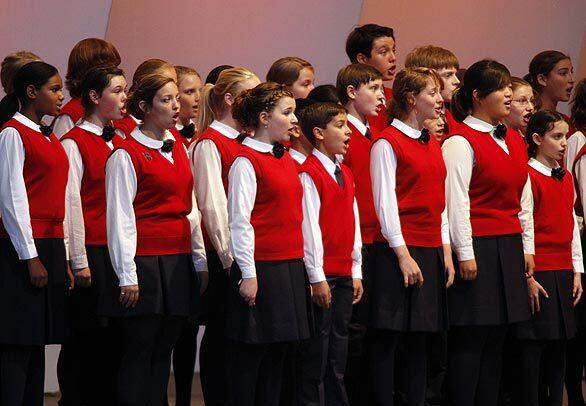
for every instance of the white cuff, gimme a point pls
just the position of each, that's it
(464, 253)
(128, 278)
(396, 240)
(200, 264)
(529, 247)
(79, 262)
(578, 266)
(356, 270)
(248, 272)
(316, 275)
(27, 251)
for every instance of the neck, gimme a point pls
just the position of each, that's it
(301, 147)
(185, 121)
(547, 161)
(413, 121)
(327, 153)
(228, 120)
(548, 104)
(152, 131)
(481, 115)
(351, 108)
(98, 120)
(262, 135)
(33, 115)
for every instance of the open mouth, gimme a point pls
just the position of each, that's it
(347, 141)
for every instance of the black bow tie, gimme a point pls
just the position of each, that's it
(558, 173)
(278, 150)
(188, 131)
(108, 133)
(368, 133)
(46, 130)
(167, 146)
(424, 137)
(500, 131)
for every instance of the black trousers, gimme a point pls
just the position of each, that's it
(474, 365)
(22, 375)
(382, 347)
(255, 372)
(576, 357)
(437, 365)
(542, 362)
(146, 360)
(214, 348)
(323, 357)
(87, 366)
(184, 355)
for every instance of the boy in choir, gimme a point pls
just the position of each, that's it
(332, 247)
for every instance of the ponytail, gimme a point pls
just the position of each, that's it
(8, 107)
(206, 110)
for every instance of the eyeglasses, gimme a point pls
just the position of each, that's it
(524, 102)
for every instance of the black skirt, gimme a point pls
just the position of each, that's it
(361, 310)
(413, 309)
(556, 319)
(167, 285)
(31, 315)
(214, 298)
(283, 305)
(498, 295)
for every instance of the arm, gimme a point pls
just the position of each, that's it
(211, 197)
(526, 218)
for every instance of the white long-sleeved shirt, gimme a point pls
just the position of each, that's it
(459, 159)
(62, 125)
(312, 236)
(75, 223)
(576, 244)
(297, 156)
(383, 172)
(121, 188)
(209, 190)
(575, 144)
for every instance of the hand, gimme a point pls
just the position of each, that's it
(577, 290)
(37, 272)
(358, 290)
(535, 289)
(321, 295)
(411, 273)
(468, 270)
(204, 278)
(449, 265)
(248, 290)
(129, 295)
(83, 277)
(70, 277)
(529, 264)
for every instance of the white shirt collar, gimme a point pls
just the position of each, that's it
(224, 129)
(24, 120)
(479, 125)
(138, 135)
(325, 161)
(360, 126)
(91, 127)
(406, 129)
(257, 145)
(297, 156)
(136, 120)
(539, 167)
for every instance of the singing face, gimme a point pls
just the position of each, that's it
(189, 96)
(49, 97)
(164, 111)
(281, 121)
(559, 83)
(522, 108)
(111, 104)
(552, 145)
(450, 82)
(382, 57)
(304, 83)
(428, 103)
(336, 136)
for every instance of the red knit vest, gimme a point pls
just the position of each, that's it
(45, 179)
(277, 215)
(336, 216)
(379, 122)
(73, 109)
(227, 147)
(94, 152)
(497, 183)
(553, 216)
(126, 125)
(420, 188)
(358, 160)
(163, 199)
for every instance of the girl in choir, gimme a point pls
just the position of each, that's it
(413, 254)
(34, 306)
(491, 229)
(156, 253)
(522, 106)
(551, 75)
(11, 64)
(85, 55)
(190, 85)
(90, 374)
(296, 73)
(151, 66)
(578, 122)
(555, 287)
(212, 156)
(268, 298)
(576, 354)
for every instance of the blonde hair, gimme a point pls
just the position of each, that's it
(183, 71)
(212, 96)
(11, 64)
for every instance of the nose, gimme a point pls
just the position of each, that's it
(456, 80)
(294, 119)
(347, 130)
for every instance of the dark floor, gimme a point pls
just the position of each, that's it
(196, 397)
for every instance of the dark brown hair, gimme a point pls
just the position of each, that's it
(145, 90)
(408, 83)
(540, 123)
(286, 70)
(148, 67)
(97, 79)
(318, 115)
(355, 74)
(542, 64)
(579, 106)
(433, 57)
(250, 103)
(362, 38)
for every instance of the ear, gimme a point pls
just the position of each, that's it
(31, 92)
(351, 92)
(318, 133)
(263, 118)
(229, 99)
(542, 79)
(143, 106)
(410, 99)
(475, 96)
(361, 58)
(94, 96)
(536, 138)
